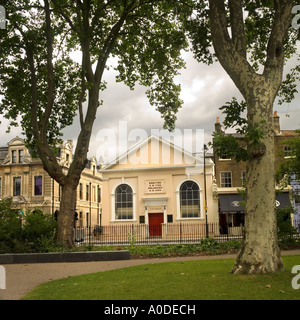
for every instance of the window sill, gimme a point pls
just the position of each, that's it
(123, 220)
(189, 218)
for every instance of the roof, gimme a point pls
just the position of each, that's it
(150, 139)
(3, 153)
(289, 132)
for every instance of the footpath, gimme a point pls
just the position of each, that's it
(22, 278)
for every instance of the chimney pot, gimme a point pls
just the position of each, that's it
(276, 123)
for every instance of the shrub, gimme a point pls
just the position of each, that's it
(10, 228)
(286, 231)
(39, 231)
(205, 246)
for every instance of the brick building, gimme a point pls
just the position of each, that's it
(231, 175)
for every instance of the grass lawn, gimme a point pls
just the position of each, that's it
(189, 280)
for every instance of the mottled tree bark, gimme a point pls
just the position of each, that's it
(66, 215)
(260, 252)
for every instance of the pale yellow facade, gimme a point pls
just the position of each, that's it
(23, 178)
(155, 170)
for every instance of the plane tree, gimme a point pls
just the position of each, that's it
(252, 40)
(43, 88)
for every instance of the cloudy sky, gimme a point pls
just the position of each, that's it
(126, 116)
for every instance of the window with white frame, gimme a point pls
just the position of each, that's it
(21, 156)
(226, 179)
(123, 202)
(17, 156)
(287, 151)
(189, 200)
(14, 156)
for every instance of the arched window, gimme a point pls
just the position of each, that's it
(189, 200)
(123, 202)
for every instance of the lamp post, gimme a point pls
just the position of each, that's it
(205, 196)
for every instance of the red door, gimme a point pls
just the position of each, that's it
(155, 221)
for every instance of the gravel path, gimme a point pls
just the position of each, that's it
(22, 278)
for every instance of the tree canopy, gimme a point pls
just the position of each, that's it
(252, 40)
(43, 87)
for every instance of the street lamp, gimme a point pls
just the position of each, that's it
(205, 196)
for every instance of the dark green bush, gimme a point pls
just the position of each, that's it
(39, 231)
(10, 228)
(285, 229)
(205, 246)
(32, 232)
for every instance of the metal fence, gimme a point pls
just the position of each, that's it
(170, 233)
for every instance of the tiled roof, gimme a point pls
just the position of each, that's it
(288, 132)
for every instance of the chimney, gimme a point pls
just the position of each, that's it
(276, 123)
(218, 125)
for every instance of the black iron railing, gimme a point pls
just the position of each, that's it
(170, 233)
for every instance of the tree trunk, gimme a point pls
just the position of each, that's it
(66, 215)
(260, 252)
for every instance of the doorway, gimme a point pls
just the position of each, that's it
(155, 221)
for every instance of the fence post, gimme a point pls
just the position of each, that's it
(89, 235)
(227, 231)
(180, 232)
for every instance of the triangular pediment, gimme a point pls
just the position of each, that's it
(16, 142)
(154, 152)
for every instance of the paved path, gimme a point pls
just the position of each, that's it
(22, 278)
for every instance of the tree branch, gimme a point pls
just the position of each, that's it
(237, 26)
(108, 46)
(85, 40)
(235, 64)
(50, 76)
(281, 24)
(80, 109)
(221, 40)
(65, 16)
(44, 152)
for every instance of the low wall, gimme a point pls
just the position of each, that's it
(64, 257)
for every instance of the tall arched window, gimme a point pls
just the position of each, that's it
(189, 200)
(123, 202)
